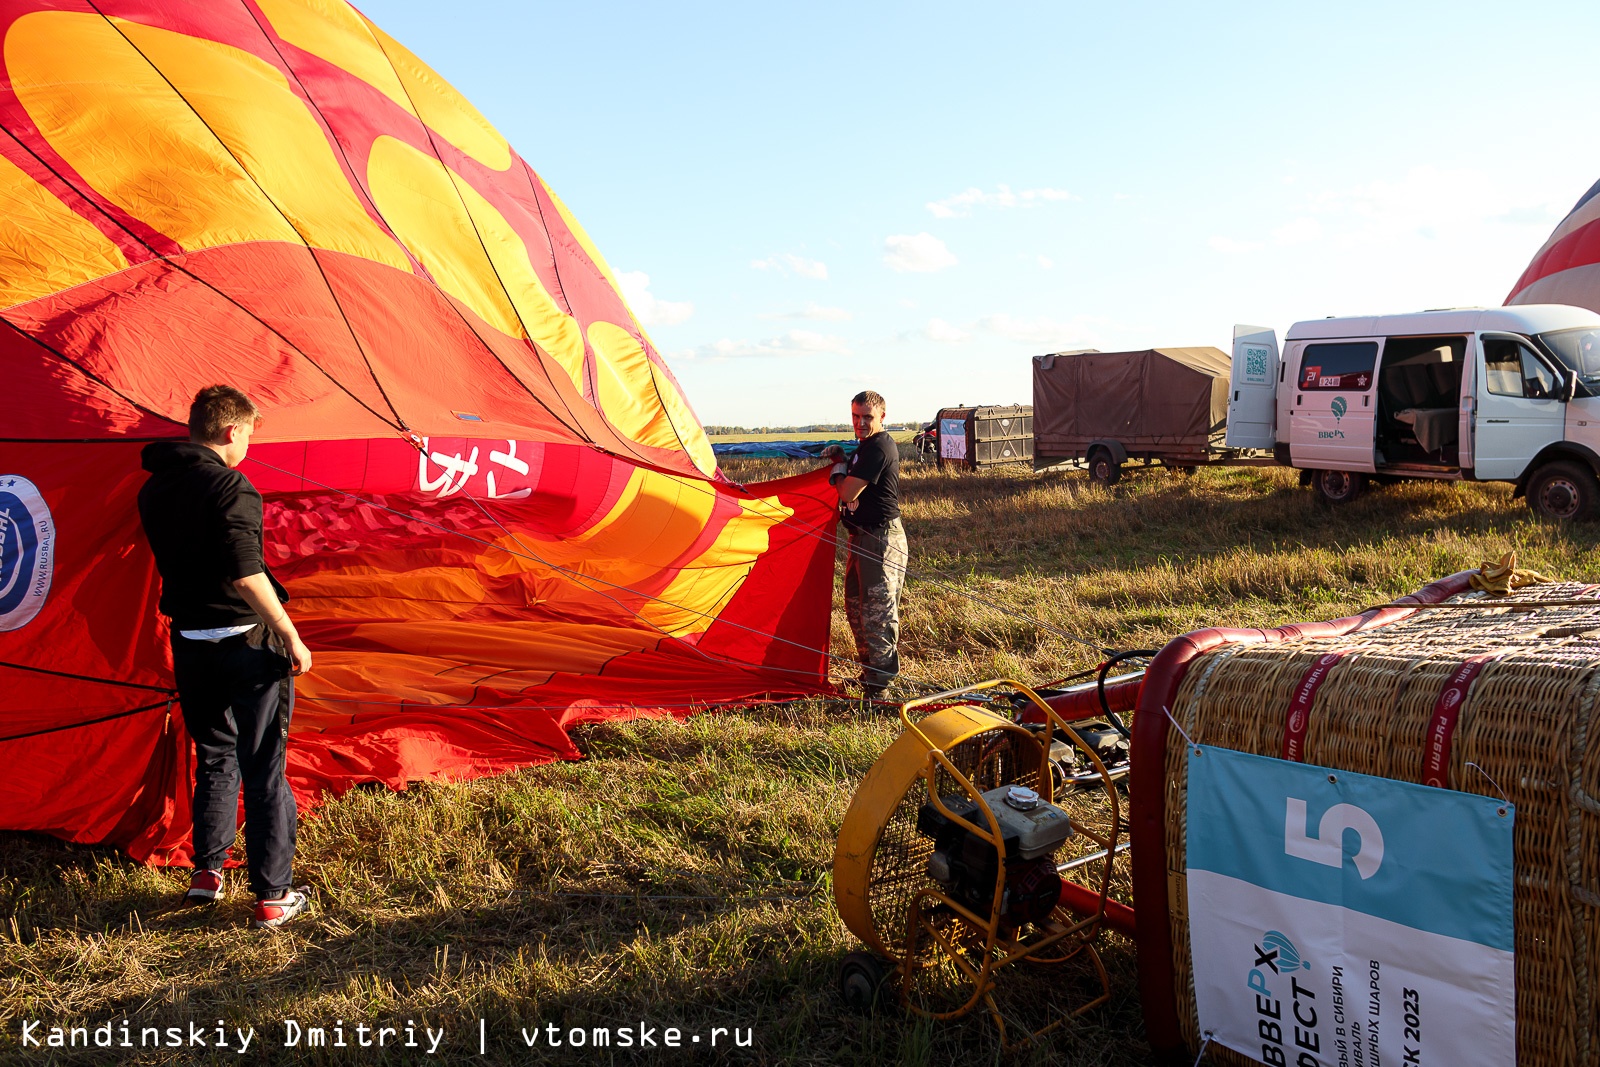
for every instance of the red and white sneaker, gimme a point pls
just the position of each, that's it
(271, 913)
(205, 887)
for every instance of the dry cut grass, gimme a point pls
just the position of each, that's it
(678, 876)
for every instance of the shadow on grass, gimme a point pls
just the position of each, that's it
(761, 973)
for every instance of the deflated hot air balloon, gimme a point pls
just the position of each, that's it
(494, 508)
(1566, 270)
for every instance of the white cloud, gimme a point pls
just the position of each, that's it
(962, 203)
(1417, 237)
(1420, 212)
(793, 343)
(944, 333)
(647, 308)
(1046, 332)
(1230, 247)
(788, 262)
(815, 311)
(1428, 202)
(1298, 231)
(921, 253)
(1045, 262)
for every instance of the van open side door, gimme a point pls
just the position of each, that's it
(1253, 388)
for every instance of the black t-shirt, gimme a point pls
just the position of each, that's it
(875, 461)
(203, 521)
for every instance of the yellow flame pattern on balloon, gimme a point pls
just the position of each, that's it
(332, 30)
(470, 249)
(192, 164)
(210, 145)
(45, 246)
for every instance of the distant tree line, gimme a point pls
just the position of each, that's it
(718, 430)
(819, 427)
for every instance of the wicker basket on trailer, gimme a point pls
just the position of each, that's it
(1528, 722)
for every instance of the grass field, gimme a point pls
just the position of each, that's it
(679, 874)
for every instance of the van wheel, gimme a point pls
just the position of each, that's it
(1562, 492)
(1104, 470)
(1339, 487)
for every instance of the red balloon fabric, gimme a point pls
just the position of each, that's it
(494, 509)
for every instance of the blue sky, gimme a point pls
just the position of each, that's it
(809, 200)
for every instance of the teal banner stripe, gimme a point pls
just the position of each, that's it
(1438, 860)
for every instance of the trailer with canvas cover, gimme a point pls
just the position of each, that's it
(1487, 394)
(1102, 410)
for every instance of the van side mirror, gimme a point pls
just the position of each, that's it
(1569, 386)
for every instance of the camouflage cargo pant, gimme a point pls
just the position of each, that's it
(874, 574)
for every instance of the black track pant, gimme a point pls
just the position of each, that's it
(237, 697)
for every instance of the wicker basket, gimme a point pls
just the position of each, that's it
(1525, 725)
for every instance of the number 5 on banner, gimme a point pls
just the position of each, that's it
(1327, 847)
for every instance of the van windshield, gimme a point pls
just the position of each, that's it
(1579, 349)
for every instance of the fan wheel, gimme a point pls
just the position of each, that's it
(862, 980)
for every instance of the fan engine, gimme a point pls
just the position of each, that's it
(967, 866)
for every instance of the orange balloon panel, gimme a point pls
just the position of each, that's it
(143, 129)
(494, 508)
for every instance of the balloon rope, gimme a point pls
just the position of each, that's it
(88, 678)
(88, 722)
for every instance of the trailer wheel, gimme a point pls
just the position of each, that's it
(1103, 469)
(1562, 492)
(1339, 487)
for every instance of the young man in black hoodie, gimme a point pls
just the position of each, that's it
(234, 649)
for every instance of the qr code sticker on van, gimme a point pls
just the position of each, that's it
(1255, 364)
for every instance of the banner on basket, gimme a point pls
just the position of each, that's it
(953, 438)
(1342, 920)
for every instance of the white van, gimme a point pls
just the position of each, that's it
(1493, 394)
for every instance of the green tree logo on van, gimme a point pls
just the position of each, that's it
(1339, 408)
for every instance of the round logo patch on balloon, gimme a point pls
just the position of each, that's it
(27, 551)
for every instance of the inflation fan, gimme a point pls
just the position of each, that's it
(947, 865)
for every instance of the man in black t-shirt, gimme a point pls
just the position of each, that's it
(875, 568)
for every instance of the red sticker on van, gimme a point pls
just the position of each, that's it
(1354, 381)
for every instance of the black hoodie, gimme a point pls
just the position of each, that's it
(203, 519)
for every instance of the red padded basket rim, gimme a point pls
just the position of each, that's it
(1147, 787)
